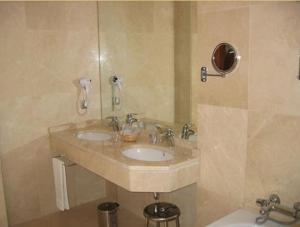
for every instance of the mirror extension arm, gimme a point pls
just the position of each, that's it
(204, 74)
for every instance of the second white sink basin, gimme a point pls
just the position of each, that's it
(147, 154)
(93, 135)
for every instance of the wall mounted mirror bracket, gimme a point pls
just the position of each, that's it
(224, 60)
(204, 74)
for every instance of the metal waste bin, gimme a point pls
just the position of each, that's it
(107, 214)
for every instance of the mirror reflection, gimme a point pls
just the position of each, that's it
(141, 71)
(224, 58)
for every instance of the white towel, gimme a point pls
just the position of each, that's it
(60, 180)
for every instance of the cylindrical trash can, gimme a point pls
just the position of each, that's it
(107, 214)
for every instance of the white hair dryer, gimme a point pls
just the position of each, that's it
(86, 86)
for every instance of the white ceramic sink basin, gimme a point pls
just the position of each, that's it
(241, 218)
(147, 154)
(93, 135)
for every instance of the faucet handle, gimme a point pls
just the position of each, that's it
(170, 132)
(262, 202)
(274, 199)
(130, 117)
(190, 125)
(114, 123)
(297, 206)
(187, 125)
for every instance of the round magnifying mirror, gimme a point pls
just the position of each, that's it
(224, 58)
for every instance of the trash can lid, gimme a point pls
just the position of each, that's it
(108, 206)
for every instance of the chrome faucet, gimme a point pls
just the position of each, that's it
(187, 131)
(273, 204)
(130, 119)
(154, 134)
(169, 136)
(114, 123)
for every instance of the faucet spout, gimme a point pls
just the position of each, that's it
(187, 131)
(130, 119)
(273, 204)
(169, 136)
(114, 123)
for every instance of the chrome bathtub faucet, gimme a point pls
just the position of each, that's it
(273, 204)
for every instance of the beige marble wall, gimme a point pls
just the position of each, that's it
(83, 185)
(223, 152)
(250, 151)
(217, 23)
(274, 58)
(137, 42)
(274, 108)
(45, 46)
(273, 158)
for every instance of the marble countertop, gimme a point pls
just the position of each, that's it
(105, 159)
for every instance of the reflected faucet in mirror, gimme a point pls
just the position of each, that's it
(187, 131)
(114, 123)
(169, 135)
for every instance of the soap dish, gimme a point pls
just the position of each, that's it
(132, 137)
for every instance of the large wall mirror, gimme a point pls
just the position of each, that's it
(137, 42)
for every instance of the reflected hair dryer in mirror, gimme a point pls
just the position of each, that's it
(117, 83)
(224, 60)
(86, 86)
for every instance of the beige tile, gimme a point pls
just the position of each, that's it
(45, 177)
(20, 184)
(89, 186)
(274, 58)
(273, 157)
(84, 215)
(12, 16)
(45, 47)
(214, 27)
(122, 17)
(223, 149)
(61, 16)
(220, 6)
(186, 200)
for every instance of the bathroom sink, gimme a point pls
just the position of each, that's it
(93, 135)
(147, 154)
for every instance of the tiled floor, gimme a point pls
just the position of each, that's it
(83, 216)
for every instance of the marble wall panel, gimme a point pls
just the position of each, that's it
(217, 23)
(273, 158)
(271, 89)
(223, 152)
(45, 47)
(274, 58)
